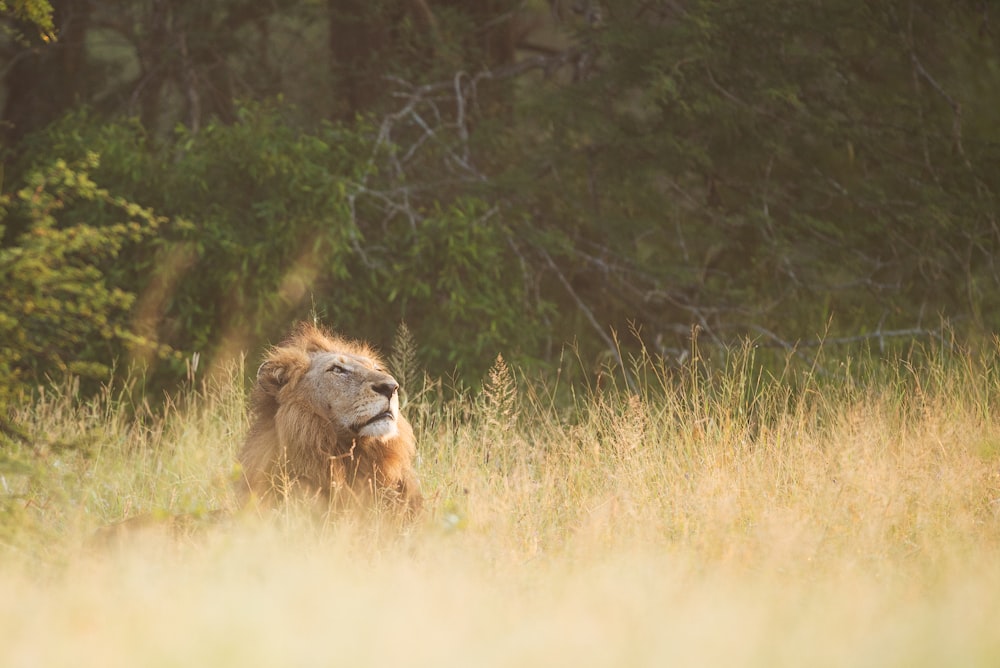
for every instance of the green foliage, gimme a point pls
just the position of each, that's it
(765, 166)
(287, 222)
(37, 13)
(59, 314)
(509, 176)
(455, 272)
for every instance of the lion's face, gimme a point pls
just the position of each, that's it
(354, 393)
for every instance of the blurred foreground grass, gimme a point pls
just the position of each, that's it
(712, 515)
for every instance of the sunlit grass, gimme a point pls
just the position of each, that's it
(713, 514)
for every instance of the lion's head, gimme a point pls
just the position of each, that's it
(326, 423)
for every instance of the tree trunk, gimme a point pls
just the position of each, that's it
(45, 80)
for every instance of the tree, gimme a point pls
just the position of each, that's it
(757, 168)
(40, 61)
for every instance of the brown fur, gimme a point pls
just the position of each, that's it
(298, 444)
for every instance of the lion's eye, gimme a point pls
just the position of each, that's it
(337, 368)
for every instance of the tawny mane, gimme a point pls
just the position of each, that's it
(305, 438)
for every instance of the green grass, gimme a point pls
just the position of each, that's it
(712, 515)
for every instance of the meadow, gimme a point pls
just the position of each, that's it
(842, 512)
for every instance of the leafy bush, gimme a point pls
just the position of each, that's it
(286, 224)
(59, 313)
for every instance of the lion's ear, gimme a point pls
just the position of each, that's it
(270, 377)
(281, 367)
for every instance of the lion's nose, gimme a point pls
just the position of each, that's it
(386, 388)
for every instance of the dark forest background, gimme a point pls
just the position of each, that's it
(182, 179)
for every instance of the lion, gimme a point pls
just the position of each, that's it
(326, 425)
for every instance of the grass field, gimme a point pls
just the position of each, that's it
(712, 515)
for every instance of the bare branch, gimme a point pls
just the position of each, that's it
(591, 319)
(956, 106)
(879, 335)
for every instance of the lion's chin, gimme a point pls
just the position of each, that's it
(383, 426)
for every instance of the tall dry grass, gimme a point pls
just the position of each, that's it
(715, 514)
